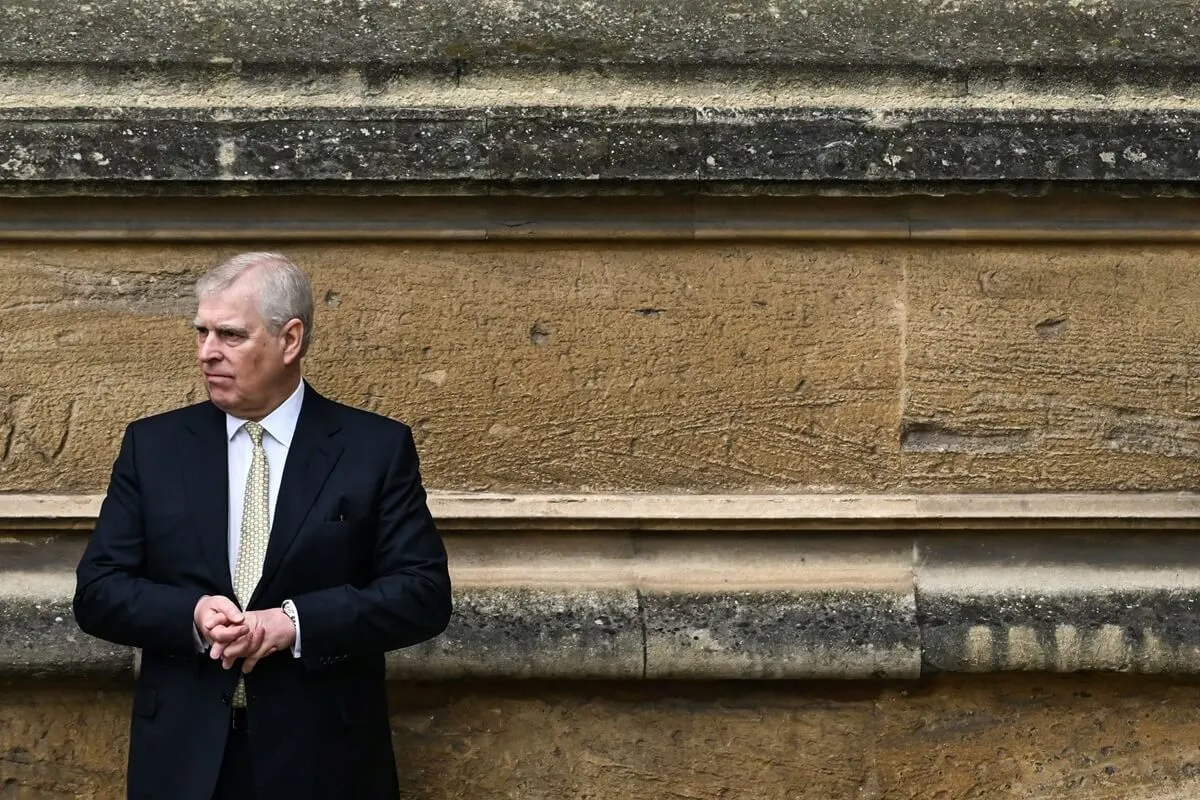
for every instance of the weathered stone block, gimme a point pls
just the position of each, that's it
(602, 740)
(63, 740)
(532, 632)
(523, 367)
(1070, 603)
(1036, 370)
(554, 144)
(520, 146)
(1105, 36)
(38, 634)
(794, 607)
(1104, 737)
(729, 634)
(1101, 737)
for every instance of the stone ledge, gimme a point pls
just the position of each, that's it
(1060, 604)
(553, 607)
(505, 146)
(1061, 216)
(612, 605)
(1105, 36)
(491, 511)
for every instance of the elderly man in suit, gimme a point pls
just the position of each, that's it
(264, 549)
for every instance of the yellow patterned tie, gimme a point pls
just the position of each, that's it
(256, 530)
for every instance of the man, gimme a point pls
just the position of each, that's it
(264, 550)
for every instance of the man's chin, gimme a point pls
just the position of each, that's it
(218, 396)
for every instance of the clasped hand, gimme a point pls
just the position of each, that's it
(232, 634)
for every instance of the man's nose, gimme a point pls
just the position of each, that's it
(207, 348)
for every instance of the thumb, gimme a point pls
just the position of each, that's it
(229, 609)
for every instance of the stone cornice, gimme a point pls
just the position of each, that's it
(686, 148)
(781, 605)
(486, 511)
(1107, 39)
(283, 216)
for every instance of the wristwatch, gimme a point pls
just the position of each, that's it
(289, 608)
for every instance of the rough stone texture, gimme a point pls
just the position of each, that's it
(613, 606)
(837, 634)
(1099, 738)
(777, 606)
(40, 639)
(1101, 34)
(739, 605)
(60, 741)
(1040, 369)
(519, 367)
(38, 634)
(517, 145)
(835, 96)
(1036, 737)
(1060, 603)
(637, 367)
(533, 632)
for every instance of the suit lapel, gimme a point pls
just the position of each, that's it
(206, 478)
(311, 457)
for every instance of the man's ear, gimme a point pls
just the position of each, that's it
(293, 340)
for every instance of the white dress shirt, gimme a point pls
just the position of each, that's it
(279, 427)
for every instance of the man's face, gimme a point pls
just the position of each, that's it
(245, 368)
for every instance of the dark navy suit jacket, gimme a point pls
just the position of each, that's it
(352, 545)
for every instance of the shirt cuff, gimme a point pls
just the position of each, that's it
(289, 608)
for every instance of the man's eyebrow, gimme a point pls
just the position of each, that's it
(225, 330)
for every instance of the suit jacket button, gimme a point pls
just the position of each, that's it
(225, 699)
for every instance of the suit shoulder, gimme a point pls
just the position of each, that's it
(361, 419)
(173, 419)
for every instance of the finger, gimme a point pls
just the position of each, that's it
(232, 653)
(236, 649)
(250, 662)
(232, 612)
(227, 607)
(245, 645)
(228, 633)
(220, 619)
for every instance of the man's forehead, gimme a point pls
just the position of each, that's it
(221, 323)
(230, 309)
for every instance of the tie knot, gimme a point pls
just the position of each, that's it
(256, 432)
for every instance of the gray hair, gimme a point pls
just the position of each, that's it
(284, 291)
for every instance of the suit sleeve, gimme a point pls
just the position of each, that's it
(113, 598)
(408, 599)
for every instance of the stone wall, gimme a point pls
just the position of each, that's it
(647, 367)
(832, 255)
(1101, 738)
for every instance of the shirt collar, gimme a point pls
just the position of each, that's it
(280, 423)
